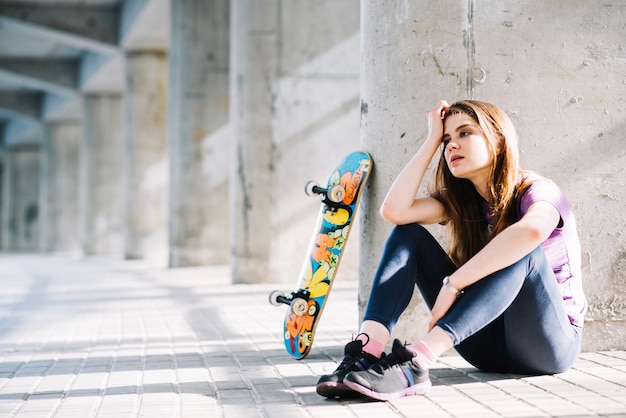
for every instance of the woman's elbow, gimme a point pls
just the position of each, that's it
(534, 235)
(388, 213)
(537, 235)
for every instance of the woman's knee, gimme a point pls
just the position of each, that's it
(409, 233)
(537, 261)
(412, 229)
(403, 238)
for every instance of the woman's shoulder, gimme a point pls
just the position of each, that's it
(537, 187)
(531, 179)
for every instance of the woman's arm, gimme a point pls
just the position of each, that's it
(510, 245)
(506, 248)
(400, 205)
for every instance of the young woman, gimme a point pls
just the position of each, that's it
(508, 294)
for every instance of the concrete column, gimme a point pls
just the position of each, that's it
(6, 202)
(294, 115)
(315, 122)
(555, 71)
(254, 52)
(2, 176)
(45, 190)
(101, 175)
(62, 153)
(20, 204)
(198, 132)
(560, 74)
(409, 61)
(146, 166)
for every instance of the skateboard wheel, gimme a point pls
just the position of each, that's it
(309, 188)
(273, 297)
(312, 310)
(336, 194)
(299, 306)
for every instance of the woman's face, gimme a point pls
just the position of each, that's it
(466, 151)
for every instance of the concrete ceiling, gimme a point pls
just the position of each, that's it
(53, 51)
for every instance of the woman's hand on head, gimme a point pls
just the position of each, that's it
(435, 120)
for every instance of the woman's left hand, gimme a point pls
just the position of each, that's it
(444, 301)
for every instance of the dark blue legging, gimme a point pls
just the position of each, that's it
(512, 321)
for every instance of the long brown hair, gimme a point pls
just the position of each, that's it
(464, 206)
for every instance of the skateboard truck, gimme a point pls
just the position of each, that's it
(330, 197)
(298, 301)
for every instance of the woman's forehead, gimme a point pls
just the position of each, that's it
(457, 119)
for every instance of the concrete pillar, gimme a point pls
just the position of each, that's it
(101, 175)
(409, 61)
(20, 203)
(61, 187)
(146, 166)
(254, 53)
(557, 73)
(560, 74)
(45, 190)
(6, 202)
(315, 120)
(2, 176)
(198, 132)
(294, 115)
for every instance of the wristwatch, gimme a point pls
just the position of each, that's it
(456, 292)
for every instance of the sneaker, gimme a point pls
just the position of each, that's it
(394, 376)
(331, 385)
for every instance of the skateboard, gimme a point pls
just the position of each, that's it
(340, 199)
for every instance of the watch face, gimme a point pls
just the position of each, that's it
(452, 289)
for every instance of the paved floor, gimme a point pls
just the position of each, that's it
(106, 338)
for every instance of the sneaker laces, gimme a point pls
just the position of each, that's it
(387, 362)
(347, 363)
(399, 354)
(363, 334)
(353, 356)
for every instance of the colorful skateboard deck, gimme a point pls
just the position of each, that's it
(340, 199)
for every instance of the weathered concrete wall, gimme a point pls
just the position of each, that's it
(146, 178)
(561, 74)
(558, 71)
(294, 98)
(253, 63)
(63, 208)
(315, 123)
(101, 187)
(20, 200)
(198, 128)
(410, 60)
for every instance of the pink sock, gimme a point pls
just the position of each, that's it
(423, 355)
(370, 346)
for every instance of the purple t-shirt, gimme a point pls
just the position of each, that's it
(562, 248)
